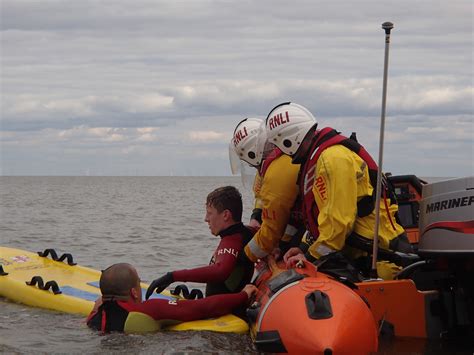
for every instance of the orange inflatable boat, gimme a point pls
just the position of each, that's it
(303, 311)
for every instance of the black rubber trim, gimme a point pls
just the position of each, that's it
(284, 279)
(2, 272)
(238, 124)
(269, 342)
(53, 285)
(54, 256)
(273, 109)
(318, 305)
(184, 291)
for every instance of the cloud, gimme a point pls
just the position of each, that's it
(207, 136)
(147, 134)
(352, 97)
(160, 77)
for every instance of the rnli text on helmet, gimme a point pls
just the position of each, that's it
(278, 120)
(239, 135)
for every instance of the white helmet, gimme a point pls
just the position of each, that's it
(264, 146)
(243, 144)
(287, 124)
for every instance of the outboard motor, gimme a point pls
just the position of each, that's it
(447, 244)
(447, 219)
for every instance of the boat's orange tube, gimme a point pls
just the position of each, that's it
(304, 311)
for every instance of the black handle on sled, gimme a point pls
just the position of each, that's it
(53, 285)
(189, 295)
(54, 256)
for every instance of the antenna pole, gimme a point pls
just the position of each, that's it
(387, 27)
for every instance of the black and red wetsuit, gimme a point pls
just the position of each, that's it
(229, 270)
(150, 315)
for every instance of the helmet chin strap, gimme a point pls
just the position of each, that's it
(302, 152)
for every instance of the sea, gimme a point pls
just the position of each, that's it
(156, 224)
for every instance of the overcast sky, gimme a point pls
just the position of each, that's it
(156, 87)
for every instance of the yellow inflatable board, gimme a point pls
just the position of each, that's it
(68, 288)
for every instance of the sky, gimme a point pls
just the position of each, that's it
(150, 87)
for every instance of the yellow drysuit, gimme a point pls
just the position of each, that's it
(341, 180)
(277, 195)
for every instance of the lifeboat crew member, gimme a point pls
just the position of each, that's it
(275, 188)
(336, 185)
(228, 271)
(121, 308)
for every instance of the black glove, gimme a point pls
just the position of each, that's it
(160, 284)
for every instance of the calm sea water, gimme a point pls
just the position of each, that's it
(154, 223)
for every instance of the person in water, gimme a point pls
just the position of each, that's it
(228, 271)
(337, 187)
(121, 308)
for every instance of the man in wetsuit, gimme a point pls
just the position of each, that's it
(228, 271)
(121, 308)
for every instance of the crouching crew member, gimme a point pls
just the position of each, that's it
(276, 189)
(337, 186)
